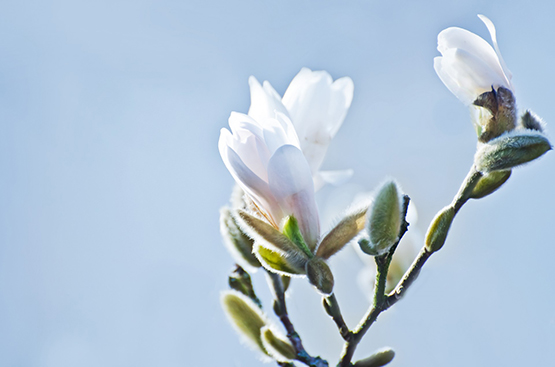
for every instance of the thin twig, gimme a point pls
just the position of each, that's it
(280, 309)
(332, 308)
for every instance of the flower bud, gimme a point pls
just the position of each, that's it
(319, 275)
(378, 359)
(439, 228)
(245, 316)
(511, 150)
(384, 220)
(279, 349)
(236, 241)
(489, 183)
(240, 281)
(342, 233)
(531, 121)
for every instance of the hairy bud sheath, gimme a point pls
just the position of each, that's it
(439, 228)
(319, 275)
(378, 359)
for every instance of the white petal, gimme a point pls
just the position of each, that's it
(493, 34)
(342, 96)
(336, 177)
(291, 183)
(264, 101)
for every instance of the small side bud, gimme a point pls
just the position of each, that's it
(378, 359)
(347, 229)
(439, 228)
(384, 220)
(319, 275)
(236, 241)
(240, 280)
(531, 121)
(278, 348)
(246, 317)
(489, 183)
(511, 150)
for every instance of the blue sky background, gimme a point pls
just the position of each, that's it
(110, 178)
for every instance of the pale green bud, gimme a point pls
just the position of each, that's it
(240, 280)
(439, 228)
(279, 263)
(280, 349)
(378, 359)
(236, 241)
(511, 150)
(319, 275)
(489, 183)
(347, 229)
(246, 317)
(384, 220)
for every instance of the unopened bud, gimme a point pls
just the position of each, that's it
(531, 121)
(236, 241)
(245, 316)
(278, 348)
(439, 228)
(511, 150)
(240, 280)
(319, 275)
(384, 220)
(489, 183)
(378, 359)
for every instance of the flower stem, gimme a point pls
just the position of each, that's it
(332, 308)
(280, 309)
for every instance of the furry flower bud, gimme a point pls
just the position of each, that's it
(378, 359)
(319, 275)
(439, 228)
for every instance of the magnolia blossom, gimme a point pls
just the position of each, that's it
(316, 105)
(469, 66)
(264, 157)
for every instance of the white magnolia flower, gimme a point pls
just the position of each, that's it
(469, 66)
(264, 157)
(317, 106)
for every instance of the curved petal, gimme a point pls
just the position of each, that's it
(290, 181)
(493, 34)
(265, 101)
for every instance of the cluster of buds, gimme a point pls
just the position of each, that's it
(275, 152)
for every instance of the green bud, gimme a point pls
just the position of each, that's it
(245, 316)
(279, 263)
(319, 275)
(439, 228)
(342, 233)
(240, 280)
(278, 348)
(511, 150)
(384, 222)
(286, 281)
(489, 183)
(236, 241)
(378, 359)
(271, 238)
(292, 231)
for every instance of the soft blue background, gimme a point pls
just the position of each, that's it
(110, 179)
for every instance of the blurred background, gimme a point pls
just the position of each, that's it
(111, 181)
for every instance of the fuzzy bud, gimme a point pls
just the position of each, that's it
(236, 241)
(240, 280)
(439, 228)
(319, 275)
(384, 220)
(245, 316)
(489, 183)
(378, 359)
(501, 117)
(280, 349)
(511, 150)
(531, 121)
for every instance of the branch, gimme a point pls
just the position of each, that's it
(280, 309)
